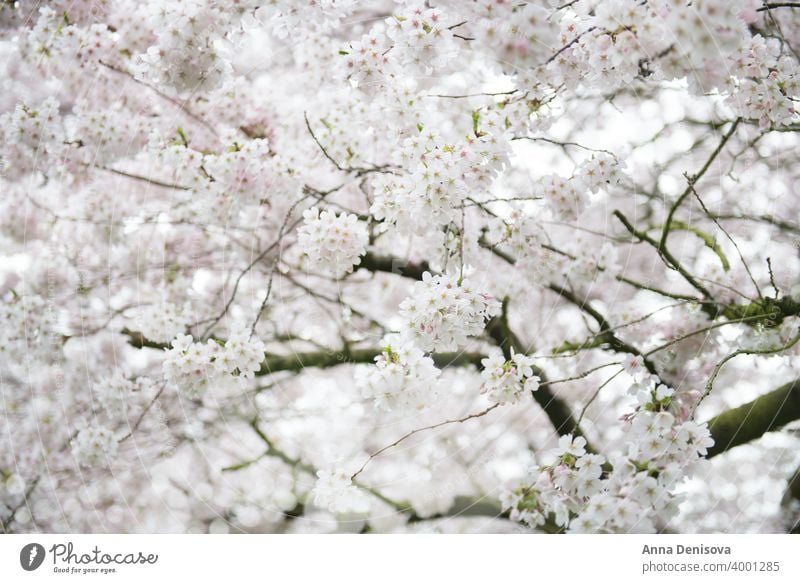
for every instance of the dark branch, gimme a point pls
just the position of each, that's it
(772, 5)
(298, 361)
(557, 411)
(752, 420)
(396, 265)
(606, 334)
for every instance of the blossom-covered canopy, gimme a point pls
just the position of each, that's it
(456, 265)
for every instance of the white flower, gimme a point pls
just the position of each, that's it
(15, 485)
(423, 39)
(336, 492)
(243, 354)
(651, 397)
(567, 445)
(333, 244)
(162, 321)
(697, 438)
(508, 381)
(634, 365)
(645, 384)
(442, 313)
(402, 377)
(650, 448)
(94, 446)
(590, 466)
(599, 171)
(114, 393)
(647, 425)
(647, 491)
(565, 478)
(193, 367)
(663, 392)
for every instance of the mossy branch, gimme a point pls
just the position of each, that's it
(752, 420)
(298, 361)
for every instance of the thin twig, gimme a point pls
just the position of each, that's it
(179, 104)
(143, 413)
(731, 356)
(421, 429)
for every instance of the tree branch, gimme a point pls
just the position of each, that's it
(752, 420)
(557, 411)
(396, 265)
(606, 334)
(606, 331)
(298, 361)
(772, 5)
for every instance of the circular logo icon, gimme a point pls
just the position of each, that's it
(31, 556)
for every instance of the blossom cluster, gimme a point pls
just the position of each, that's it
(119, 395)
(765, 83)
(27, 329)
(601, 171)
(28, 132)
(441, 174)
(403, 377)
(632, 490)
(565, 198)
(104, 135)
(285, 18)
(508, 381)
(422, 39)
(69, 37)
(218, 185)
(94, 446)
(415, 41)
(194, 367)
(186, 53)
(333, 243)
(334, 490)
(158, 160)
(163, 321)
(623, 40)
(443, 312)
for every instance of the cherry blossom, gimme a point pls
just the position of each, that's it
(403, 377)
(94, 445)
(326, 265)
(333, 244)
(443, 312)
(508, 381)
